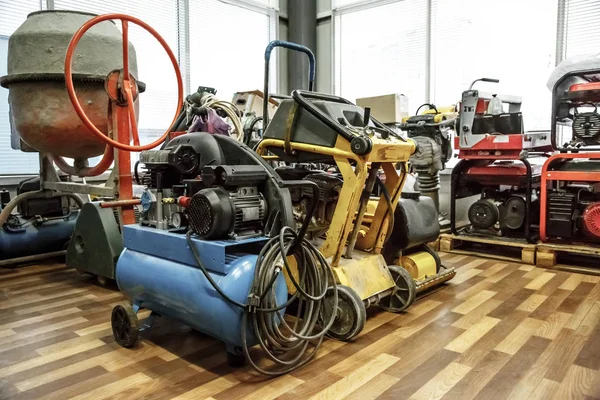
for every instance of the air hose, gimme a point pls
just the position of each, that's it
(288, 345)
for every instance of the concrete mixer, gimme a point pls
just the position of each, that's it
(73, 92)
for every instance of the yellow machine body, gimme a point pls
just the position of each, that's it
(421, 265)
(366, 272)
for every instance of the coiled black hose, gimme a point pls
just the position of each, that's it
(285, 344)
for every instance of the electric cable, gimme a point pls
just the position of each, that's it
(210, 101)
(284, 344)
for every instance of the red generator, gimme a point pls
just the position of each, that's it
(495, 154)
(570, 196)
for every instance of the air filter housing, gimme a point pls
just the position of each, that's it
(586, 127)
(215, 214)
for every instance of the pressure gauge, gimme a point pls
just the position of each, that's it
(177, 220)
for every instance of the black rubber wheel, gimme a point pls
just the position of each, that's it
(236, 360)
(351, 313)
(102, 280)
(125, 325)
(404, 293)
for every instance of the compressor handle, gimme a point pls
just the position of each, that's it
(491, 80)
(291, 46)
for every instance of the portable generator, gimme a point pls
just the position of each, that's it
(496, 164)
(570, 195)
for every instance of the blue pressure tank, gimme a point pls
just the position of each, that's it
(27, 238)
(157, 271)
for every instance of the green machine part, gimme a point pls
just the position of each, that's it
(96, 242)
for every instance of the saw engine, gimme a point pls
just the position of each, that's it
(329, 184)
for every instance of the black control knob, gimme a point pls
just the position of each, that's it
(361, 145)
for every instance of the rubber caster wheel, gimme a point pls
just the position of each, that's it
(350, 316)
(235, 360)
(404, 292)
(125, 325)
(102, 280)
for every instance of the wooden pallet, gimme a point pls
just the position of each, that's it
(435, 245)
(569, 257)
(507, 249)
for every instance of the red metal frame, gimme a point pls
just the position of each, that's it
(122, 90)
(548, 176)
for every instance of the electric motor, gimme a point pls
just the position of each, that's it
(215, 213)
(484, 213)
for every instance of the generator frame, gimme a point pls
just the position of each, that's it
(566, 154)
(463, 166)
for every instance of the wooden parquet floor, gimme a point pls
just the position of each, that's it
(497, 331)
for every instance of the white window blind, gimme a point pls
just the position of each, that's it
(342, 3)
(227, 47)
(382, 50)
(582, 27)
(495, 39)
(12, 14)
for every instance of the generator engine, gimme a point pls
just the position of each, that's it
(574, 213)
(501, 213)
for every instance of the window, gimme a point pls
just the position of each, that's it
(382, 50)
(12, 14)
(228, 53)
(473, 41)
(581, 28)
(343, 3)
(225, 49)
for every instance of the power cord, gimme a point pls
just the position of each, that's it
(287, 345)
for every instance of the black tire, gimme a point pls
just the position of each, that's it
(235, 360)
(404, 293)
(125, 325)
(351, 313)
(102, 280)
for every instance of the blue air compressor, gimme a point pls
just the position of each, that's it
(213, 249)
(41, 228)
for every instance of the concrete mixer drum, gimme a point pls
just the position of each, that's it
(42, 113)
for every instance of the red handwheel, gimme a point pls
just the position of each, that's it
(120, 84)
